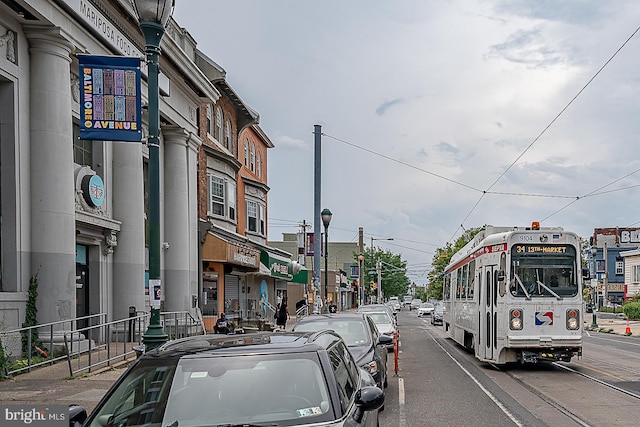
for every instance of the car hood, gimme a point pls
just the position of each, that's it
(361, 353)
(385, 328)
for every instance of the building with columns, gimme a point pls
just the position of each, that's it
(90, 255)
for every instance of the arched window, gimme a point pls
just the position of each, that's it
(246, 152)
(219, 134)
(227, 136)
(259, 164)
(253, 157)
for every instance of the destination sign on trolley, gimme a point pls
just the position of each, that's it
(541, 249)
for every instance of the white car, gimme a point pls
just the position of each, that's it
(385, 324)
(425, 309)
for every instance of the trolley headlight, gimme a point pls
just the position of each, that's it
(573, 319)
(515, 319)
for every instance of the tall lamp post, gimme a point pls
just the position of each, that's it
(326, 219)
(153, 16)
(378, 282)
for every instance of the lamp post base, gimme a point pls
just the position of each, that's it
(594, 322)
(154, 336)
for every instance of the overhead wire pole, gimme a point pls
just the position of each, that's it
(360, 266)
(317, 233)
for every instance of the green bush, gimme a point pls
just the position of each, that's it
(632, 310)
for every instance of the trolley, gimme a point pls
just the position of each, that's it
(515, 295)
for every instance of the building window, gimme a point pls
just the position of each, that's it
(216, 196)
(209, 120)
(231, 198)
(82, 148)
(252, 216)
(263, 215)
(619, 267)
(246, 152)
(227, 136)
(635, 274)
(218, 134)
(259, 164)
(252, 155)
(256, 217)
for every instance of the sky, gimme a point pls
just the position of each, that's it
(437, 116)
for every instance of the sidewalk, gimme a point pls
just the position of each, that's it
(612, 324)
(52, 385)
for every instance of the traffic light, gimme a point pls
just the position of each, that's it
(373, 286)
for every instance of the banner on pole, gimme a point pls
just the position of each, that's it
(110, 99)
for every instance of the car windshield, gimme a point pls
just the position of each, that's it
(426, 305)
(236, 390)
(352, 331)
(379, 318)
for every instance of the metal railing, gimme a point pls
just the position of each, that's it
(53, 346)
(99, 346)
(87, 348)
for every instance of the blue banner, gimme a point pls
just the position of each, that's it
(110, 104)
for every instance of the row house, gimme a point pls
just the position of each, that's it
(89, 255)
(241, 275)
(614, 260)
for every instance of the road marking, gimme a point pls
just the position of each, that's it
(402, 421)
(475, 380)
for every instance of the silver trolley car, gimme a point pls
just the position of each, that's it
(515, 295)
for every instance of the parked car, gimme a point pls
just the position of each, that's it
(265, 378)
(360, 334)
(394, 303)
(437, 314)
(415, 303)
(386, 325)
(425, 309)
(378, 307)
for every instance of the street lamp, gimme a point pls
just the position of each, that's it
(378, 282)
(594, 321)
(326, 219)
(153, 16)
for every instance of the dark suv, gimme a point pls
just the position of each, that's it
(266, 378)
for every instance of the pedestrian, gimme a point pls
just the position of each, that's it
(222, 324)
(283, 314)
(333, 308)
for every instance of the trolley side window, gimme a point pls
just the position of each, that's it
(543, 270)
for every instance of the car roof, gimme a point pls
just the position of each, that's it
(255, 343)
(327, 316)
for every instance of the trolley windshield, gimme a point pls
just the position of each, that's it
(543, 271)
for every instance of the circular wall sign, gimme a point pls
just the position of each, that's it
(93, 190)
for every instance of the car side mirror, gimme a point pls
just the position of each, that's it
(77, 415)
(367, 399)
(385, 340)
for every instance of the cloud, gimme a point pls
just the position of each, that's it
(382, 108)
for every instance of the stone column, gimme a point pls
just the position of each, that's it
(128, 208)
(180, 222)
(52, 184)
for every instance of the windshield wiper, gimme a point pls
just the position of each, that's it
(548, 289)
(522, 286)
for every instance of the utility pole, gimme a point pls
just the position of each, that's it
(605, 288)
(379, 284)
(317, 233)
(360, 266)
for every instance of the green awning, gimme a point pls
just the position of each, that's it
(301, 277)
(279, 266)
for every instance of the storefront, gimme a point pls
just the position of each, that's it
(226, 261)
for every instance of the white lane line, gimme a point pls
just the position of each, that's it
(487, 392)
(402, 421)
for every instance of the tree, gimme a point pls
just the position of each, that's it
(393, 272)
(441, 260)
